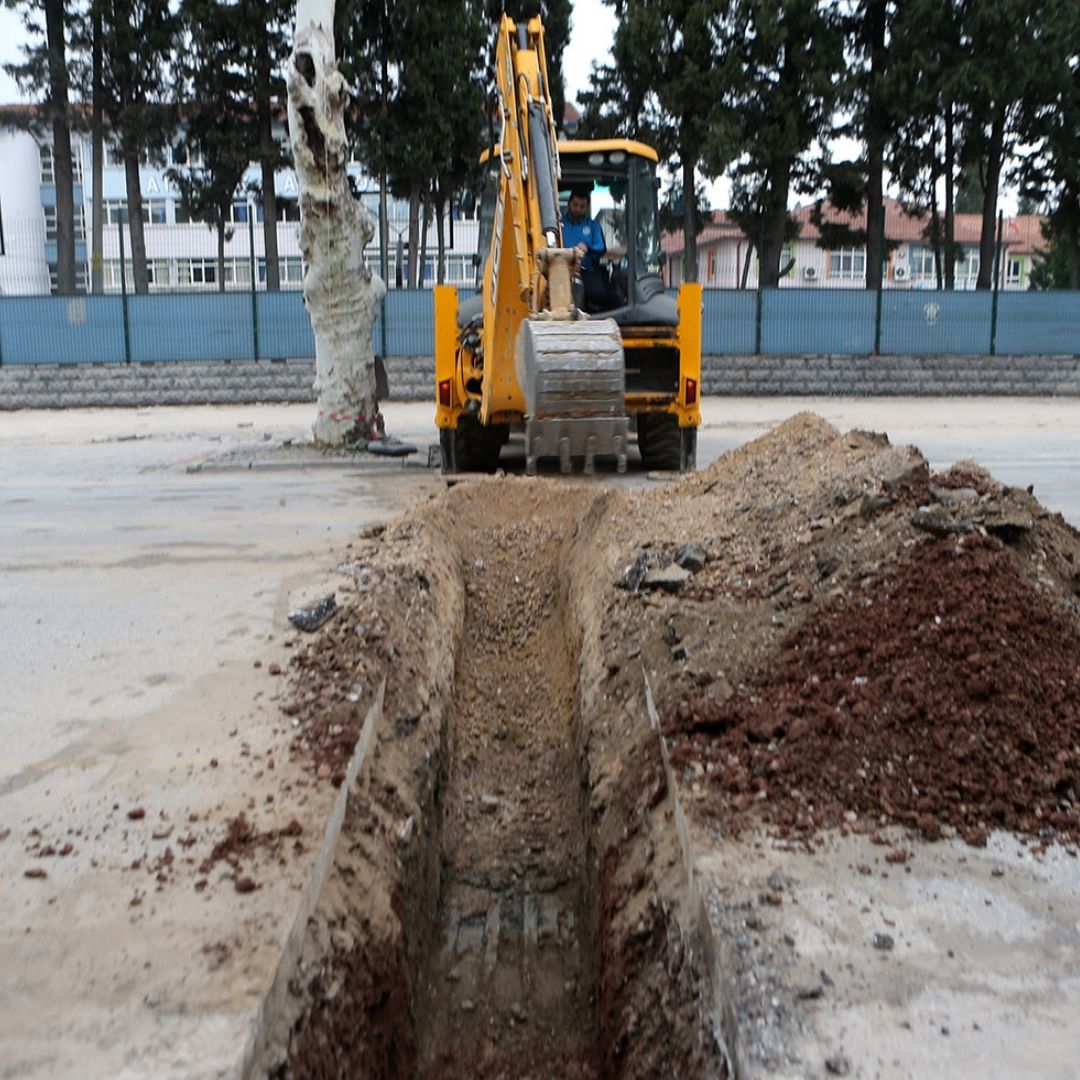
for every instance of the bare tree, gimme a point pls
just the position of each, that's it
(342, 296)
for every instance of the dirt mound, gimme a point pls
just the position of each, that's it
(943, 691)
(866, 644)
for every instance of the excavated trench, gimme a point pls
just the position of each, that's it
(507, 898)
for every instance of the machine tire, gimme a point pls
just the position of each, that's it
(471, 447)
(664, 445)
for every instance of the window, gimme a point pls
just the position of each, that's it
(48, 164)
(203, 273)
(922, 264)
(239, 213)
(1014, 270)
(967, 268)
(82, 277)
(847, 264)
(50, 224)
(115, 211)
(290, 271)
(158, 273)
(287, 210)
(181, 154)
(180, 213)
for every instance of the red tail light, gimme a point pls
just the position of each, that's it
(444, 393)
(691, 391)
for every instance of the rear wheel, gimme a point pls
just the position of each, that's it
(664, 445)
(472, 447)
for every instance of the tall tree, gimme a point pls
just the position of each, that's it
(930, 77)
(419, 98)
(44, 71)
(782, 89)
(220, 124)
(139, 39)
(869, 105)
(261, 50)
(661, 87)
(1042, 38)
(1049, 167)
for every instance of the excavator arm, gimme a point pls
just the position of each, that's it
(544, 359)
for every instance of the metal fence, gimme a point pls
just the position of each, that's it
(260, 325)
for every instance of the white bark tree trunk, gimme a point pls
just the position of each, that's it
(341, 295)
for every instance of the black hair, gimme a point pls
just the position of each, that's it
(581, 191)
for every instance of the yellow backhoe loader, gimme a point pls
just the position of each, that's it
(535, 348)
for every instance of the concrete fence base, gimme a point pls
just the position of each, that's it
(411, 379)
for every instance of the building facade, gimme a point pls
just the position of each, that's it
(181, 254)
(727, 260)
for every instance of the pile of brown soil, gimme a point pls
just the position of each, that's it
(943, 691)
(867, 644)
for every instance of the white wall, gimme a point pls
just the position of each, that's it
(22, 266)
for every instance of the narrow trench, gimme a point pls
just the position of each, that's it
(507, 890)
(509, 982)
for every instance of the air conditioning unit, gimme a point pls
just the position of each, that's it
(900, 273)
(810, 273)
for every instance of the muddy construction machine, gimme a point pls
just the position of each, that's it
(574, 344)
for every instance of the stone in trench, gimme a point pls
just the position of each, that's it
(691, 557)
(669, 578)
(936, 523)
(311, 618)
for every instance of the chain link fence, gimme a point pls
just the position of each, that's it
(202, 307)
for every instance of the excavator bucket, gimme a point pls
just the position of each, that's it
(573, 377)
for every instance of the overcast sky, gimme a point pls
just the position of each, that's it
(592, 28)
(594, 25)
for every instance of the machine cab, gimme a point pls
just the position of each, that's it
(625, 283)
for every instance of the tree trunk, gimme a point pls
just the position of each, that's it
(135, 221)
(778, 182)
(994, 153)
(220, 229)
(746, 263)
(342, 296)
(875, 147)
(935, 232)
(414, 233)
(61, 134)
(950, 200)
(440, 239)
(690, 232)
(267, 155)
(97, 139)
(425, 221)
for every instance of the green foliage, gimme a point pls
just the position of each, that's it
(140, 42)
(784, 85)
(556, 16)
(418, 77)
(219, 121)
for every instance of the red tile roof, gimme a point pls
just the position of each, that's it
(1021, 234)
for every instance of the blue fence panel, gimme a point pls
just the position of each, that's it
(284, 326)
(1038, 323)
(61, 330)
(410, 323)
(195, 326)
(796, 321)
(931, 323)
(727, 322)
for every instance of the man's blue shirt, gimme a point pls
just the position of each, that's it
(586, 232)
